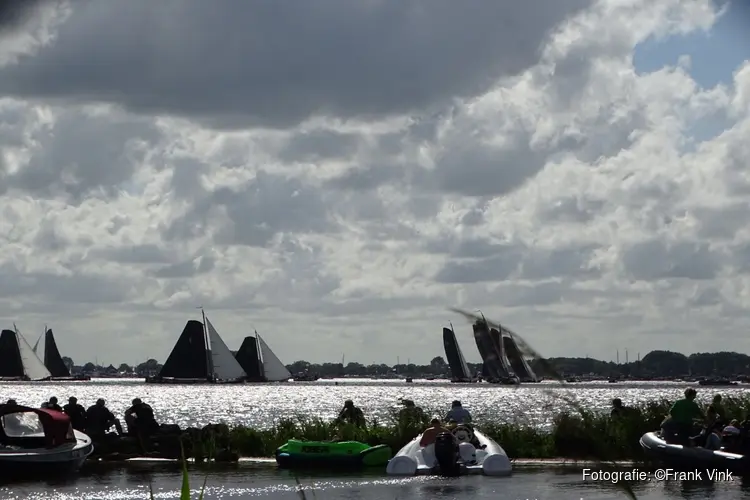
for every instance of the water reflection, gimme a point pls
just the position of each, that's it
(253, 481)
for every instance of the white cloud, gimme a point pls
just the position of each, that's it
(345, 201)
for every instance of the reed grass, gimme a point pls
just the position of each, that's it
(577, 433)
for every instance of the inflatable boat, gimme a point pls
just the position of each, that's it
(691, 458)
(462, 452)
(331, 454)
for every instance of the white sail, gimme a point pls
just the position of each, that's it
(225, 366)
(33, 367)
(273, 369)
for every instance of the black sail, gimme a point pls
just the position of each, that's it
(188, 357)
(249, 359)
(520, 366)
(52, 359)
(453, 354)
(491, 368)
(497, 344)
(10, 356)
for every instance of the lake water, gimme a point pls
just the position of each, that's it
(260, 405)
(260, 481)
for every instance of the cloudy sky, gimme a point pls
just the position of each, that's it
(337, 173)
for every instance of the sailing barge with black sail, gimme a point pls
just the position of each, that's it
(53, 360)
(200, 356)
(18, 361)
(459, 368)
(259, 361)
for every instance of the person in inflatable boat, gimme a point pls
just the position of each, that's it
(678, 427)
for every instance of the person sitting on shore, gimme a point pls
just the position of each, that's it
(411, 414)
(140, 419)
(683, 414)
(76, 413)
(619, 410)
(458, 413)
(432, 432)
(351, 414)
(99, 420)
(52, 405)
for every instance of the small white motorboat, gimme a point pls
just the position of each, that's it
(39, 442)
(462, 452)
(678, 457)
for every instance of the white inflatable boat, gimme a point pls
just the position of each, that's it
(484, 456)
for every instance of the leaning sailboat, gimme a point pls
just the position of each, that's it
(259, 362)
(520, 366)
(459, 369)
(18, 361)
(200, 356)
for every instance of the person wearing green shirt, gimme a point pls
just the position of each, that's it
(683, 414)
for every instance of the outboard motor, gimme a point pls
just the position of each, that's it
(446, 454)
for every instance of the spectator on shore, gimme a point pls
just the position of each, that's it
(619, 410)
(52, 405)
(715, 412)
(140, 419)
(76, 413)
(411, 414)
(351, 414)
(99, 419)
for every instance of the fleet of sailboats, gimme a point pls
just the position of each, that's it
(201, 356)
(502, 360)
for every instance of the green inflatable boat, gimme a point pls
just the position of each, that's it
(331, 454)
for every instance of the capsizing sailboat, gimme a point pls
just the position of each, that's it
(200, 356)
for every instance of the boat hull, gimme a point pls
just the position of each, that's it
(413, 459)
(45, 462)
(190, 381)
(692, 458)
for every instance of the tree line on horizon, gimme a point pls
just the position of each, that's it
(655, 364)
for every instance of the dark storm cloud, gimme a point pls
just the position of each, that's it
(14, 13)
(277, 63)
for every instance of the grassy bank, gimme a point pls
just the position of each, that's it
(575, 434)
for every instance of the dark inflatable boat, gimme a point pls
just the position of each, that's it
(691, 458)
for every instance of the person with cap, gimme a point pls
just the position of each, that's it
(351, 414)
(99, 419)
(682, 416)
(76, 413)
(458, 413)
(140, 419)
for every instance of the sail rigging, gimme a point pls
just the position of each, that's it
(224, 365)
(273, 369)
(52, 358)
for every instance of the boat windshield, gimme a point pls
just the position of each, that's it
(22, 424)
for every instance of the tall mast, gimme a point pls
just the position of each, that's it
(260, 354)
(209, 361)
